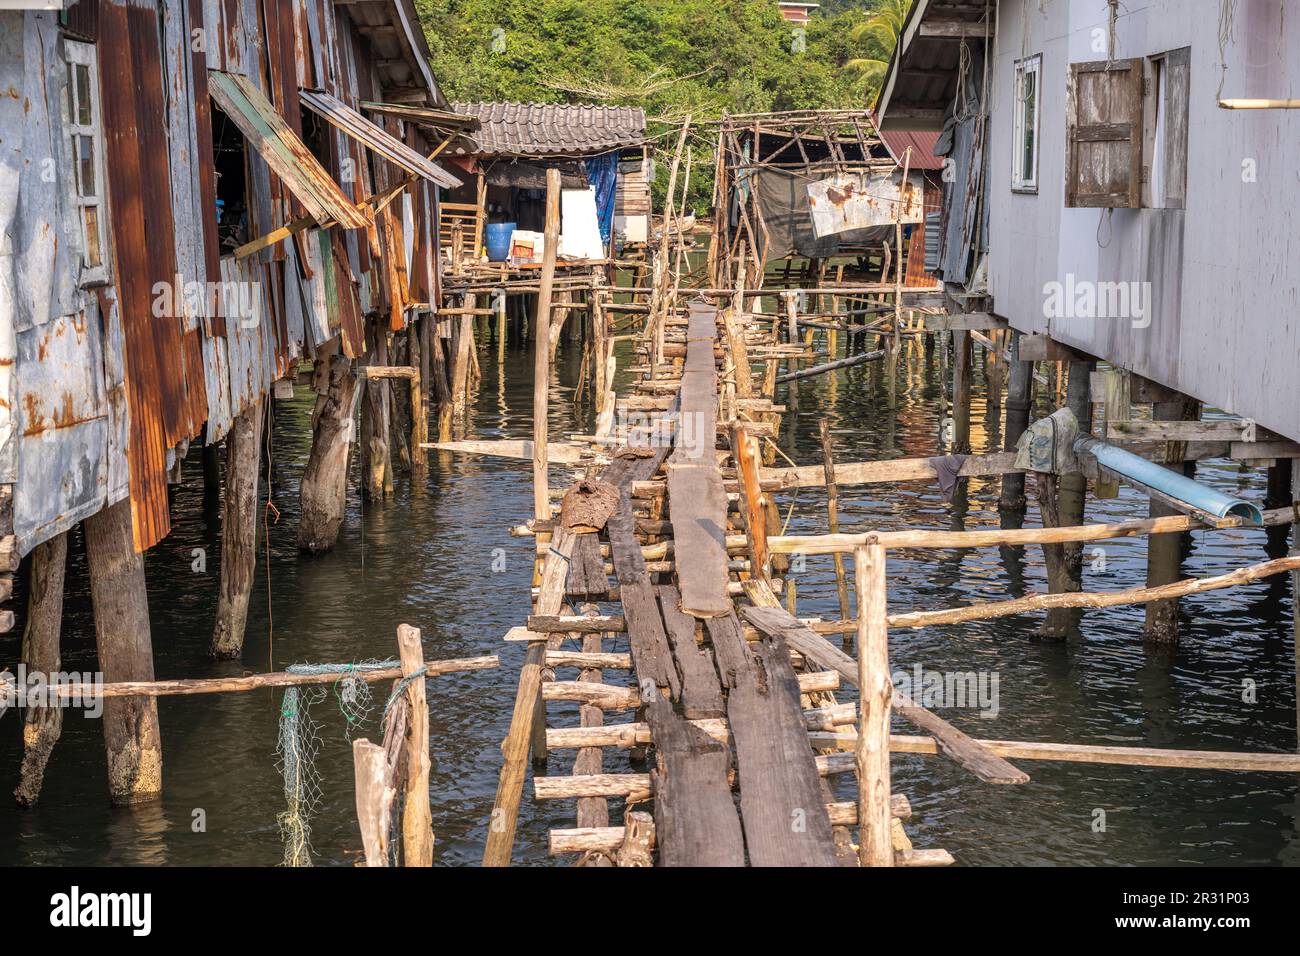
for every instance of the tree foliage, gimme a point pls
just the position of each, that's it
(671, 57)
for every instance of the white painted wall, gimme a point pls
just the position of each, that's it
(1224, 273)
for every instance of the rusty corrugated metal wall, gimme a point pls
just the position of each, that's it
(99, 385)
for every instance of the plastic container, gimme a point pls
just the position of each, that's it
(498, 240)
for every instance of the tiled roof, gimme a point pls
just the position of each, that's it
(550, 129)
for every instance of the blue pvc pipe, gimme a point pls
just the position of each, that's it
(1168, 482)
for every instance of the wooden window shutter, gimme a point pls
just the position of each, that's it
(1103, 136)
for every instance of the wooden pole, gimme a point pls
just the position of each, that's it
(117, 590)
(419, 413)
(833, 518)
(323, 491)
(463, 347)
(541, 348)
(1020, 390)
(238, 532)
(872, 753)
(1061, 500)
(1165, 551)
(417, 820)
(961, 361)
(42, 725)
(376, 457)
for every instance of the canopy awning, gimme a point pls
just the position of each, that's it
(374, 137)
(286, 154)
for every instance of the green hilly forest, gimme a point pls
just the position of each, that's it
(672, 57)
(669, 56)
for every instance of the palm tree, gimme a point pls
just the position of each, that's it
(879, 35)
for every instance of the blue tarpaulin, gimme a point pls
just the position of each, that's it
(602, 173)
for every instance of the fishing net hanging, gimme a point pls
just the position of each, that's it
(300, 743)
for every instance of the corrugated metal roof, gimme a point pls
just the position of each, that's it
(283, 151)
(550, 129)
(359, 128)
(922, 143)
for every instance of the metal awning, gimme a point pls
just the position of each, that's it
(286, 154)
(335, 111)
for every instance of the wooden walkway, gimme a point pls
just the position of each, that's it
(717, 706)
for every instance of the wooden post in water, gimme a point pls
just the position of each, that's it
(833, 519)
(117, 591)
(961, 367)
(417, 820)
(1020, 391)
(376, 457)
(238, 532)
(462, 349)
(42, 725)
(1164, 551)
(875, 843)
(323, 491)
(541, 348)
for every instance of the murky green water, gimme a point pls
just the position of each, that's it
(446, 564)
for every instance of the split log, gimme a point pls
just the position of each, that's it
(238, 532)
(42, 725)
(323, 491)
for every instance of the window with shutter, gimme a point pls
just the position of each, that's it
(1104, 134)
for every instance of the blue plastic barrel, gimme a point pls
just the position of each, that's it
(498, 240)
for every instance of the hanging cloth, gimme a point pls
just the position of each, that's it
(602, 174)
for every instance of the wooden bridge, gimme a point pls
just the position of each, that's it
(725, 686)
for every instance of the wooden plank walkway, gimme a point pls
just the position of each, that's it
(723, 712)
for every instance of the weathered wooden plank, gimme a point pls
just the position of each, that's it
(782, 808)
(650, 653)
(696, 823)
(698, 511)
(587, 578)
(976, 758)
(701, 691)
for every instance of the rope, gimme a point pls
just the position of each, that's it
(399, 688)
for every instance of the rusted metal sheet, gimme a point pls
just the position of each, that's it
(851, 201)
(337, 112)
(62, 418)
(283, 151)
(145, 254)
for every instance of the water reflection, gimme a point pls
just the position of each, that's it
(446, 563)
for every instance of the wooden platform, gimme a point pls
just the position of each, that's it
(717, 707)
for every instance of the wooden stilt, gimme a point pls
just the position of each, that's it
(1020, 391)
(42, 725)
(872, 752)
(238, 532)
(961, 367)
(417, 821)
(833, 519)
(1061, 499)
(1165, 551)
(117, 590)
(323, 491)
(463, 346)
(377, 452)
(541, 348)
